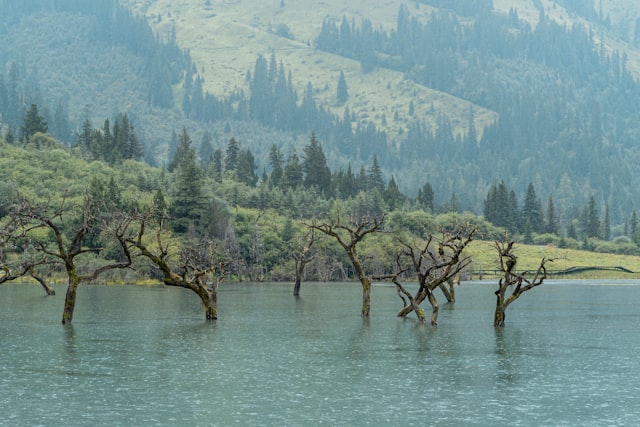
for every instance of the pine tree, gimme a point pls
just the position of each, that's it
(606, 224)
(187, 208)
(392, 195)
(592, 220)
(217, 164)
(206, 149)
(276, 161)
(292, 177)
(532, 210)
(342, 90)
(314, 166)
(551, 225)
(182, 150)
(246, 170)
(374, 176)
(634, 229)
(425, 197)
(33, 122)
(231, 155)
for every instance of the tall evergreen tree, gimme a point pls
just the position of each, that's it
(246, 170)
(551, 225)
(182, 150)
(187, 207)
(33, 122)
(292, 176)
(374, 176)
(605, 233)
(276, 162)
(532, 210)
(634, 230)
(232, 155)
(206, 149)
(342, 90)
(592, 219)
(392, 195)
(426, 197)
(217, 164)
(314, 166)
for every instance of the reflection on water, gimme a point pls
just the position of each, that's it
(145, 356)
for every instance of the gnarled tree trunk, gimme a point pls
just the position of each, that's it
(510, 279)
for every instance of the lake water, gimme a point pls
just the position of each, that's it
(569, 355)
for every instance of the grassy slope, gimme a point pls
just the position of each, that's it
(225, 38)
(485, 257)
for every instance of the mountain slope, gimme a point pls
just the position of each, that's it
(225, 38)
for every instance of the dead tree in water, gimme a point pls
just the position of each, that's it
(198, 267)
(348, 236)
(302, 255)
(69, 228)
(518, 282)
(435, 263)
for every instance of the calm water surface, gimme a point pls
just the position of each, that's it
(568, 356)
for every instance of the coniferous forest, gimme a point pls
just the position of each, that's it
(96, 108)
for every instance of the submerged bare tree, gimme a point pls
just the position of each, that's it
(349, 236)
(517, 282)
(301, 252)
(71, 234)
(201, 267)
(435, 264)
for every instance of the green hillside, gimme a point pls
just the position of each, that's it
(452, 99)
(225, 37)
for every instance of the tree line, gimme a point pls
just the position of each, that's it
(98, 230)
(563, 224)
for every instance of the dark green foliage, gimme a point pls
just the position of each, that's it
(314, 166)
(393, 198)
(342, 92)
(246, 169)
(425, 197)
(112, 144)
(551, 225)
(375, 179)
(188, 202)
(591, 219)
(292, 176)
(33, 122)
(276, 162)
(232, 155)
(206, 149)
(532, 215)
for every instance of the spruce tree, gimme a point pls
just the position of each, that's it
(374, 176)
(276, 161)
(33, 122)
(292, 177)
(552, 218)
(592, 220)
(532, 210)
(246, 170)
(425, 197)
(231, 155)
(342, 90)
(392, 195)
(187, 207)
(314, 166)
